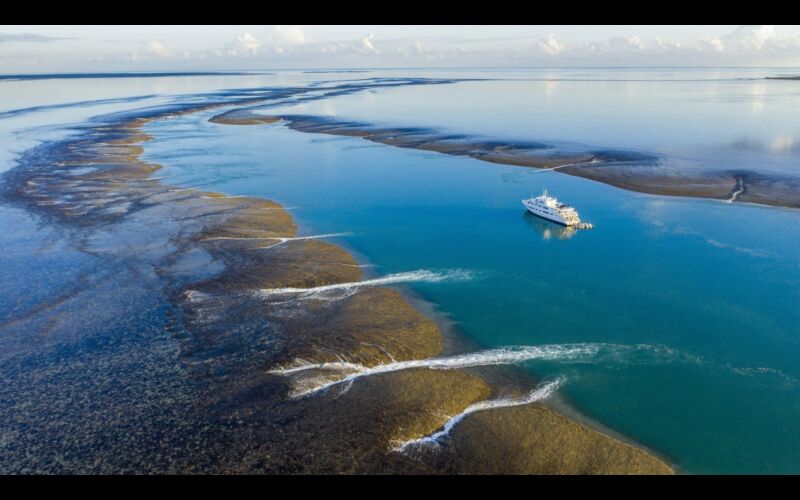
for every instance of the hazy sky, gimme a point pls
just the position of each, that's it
(28, 49)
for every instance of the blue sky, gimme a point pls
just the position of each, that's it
(31, 49)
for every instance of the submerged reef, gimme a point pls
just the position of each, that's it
(201, 315)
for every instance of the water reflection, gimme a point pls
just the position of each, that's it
(549, 230)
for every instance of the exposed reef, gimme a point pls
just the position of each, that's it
(631, 170)
(241, 117)
(534, 439)
(167, 363)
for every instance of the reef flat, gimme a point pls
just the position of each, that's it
(243, 117)
(210, 337)
(632, 170)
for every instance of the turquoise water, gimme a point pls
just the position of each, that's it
(717, 283)
(715, 286)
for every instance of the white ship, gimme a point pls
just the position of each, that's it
(550, 208)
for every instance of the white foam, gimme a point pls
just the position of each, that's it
(541, 392)
(282, 240)
(344, 372)
(502, 356)
(739, 190)
(225, 197)
(558, 167)
(333, 365)
(349, 287)
(239, 238)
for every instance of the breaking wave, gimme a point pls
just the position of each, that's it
(541, 392)
(282, 240)
(345, 289)
(279, 239)
(558, 167)
(574, 353)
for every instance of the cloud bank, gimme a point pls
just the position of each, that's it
(29, 37)
(286, 46)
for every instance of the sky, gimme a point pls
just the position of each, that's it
(45, 49)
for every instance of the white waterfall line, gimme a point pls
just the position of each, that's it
(332, 365)
(570, 353)
(559, 167)
(282, 240)
(405, 277)
(739, 189)
(541, 392)
(501, 356)
(226, 196)
(212, 238)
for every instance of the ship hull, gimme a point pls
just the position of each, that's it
(544, 214)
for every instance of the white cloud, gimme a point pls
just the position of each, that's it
(663, 46)
(745, 44)
(412, 49)
(282, 44)
(243, 45)
(550, 45)
(366, 44)
(751, 37)
(156, 48)
(711, 44)
(354, 48)
(626, 45)
(276, 40)
(247, 42)
(751, 40)
(281, 35)
(291, 46)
